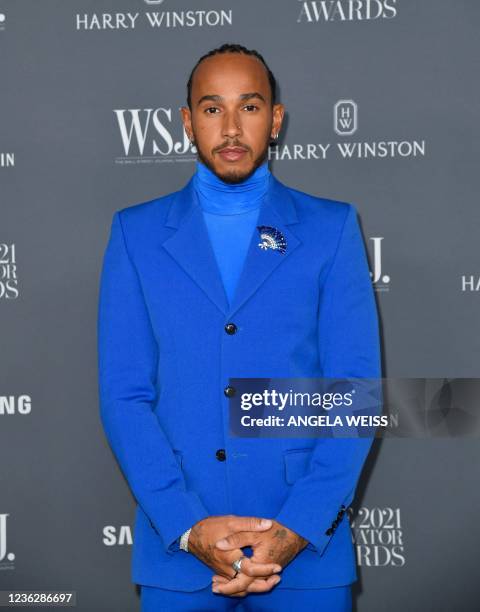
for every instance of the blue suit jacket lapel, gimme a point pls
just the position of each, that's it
(190, 245)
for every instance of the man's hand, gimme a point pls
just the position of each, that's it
(208, 531)
(278, 545)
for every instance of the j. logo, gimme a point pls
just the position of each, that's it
(272, 238)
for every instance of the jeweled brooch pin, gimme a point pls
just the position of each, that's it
(272, 238)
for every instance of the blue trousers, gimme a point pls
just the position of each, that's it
(334, 599)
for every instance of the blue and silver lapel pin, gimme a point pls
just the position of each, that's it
(272, 238)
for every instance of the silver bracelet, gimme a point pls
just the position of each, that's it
(184, 540)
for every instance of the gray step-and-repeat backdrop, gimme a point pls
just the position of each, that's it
(382, 111)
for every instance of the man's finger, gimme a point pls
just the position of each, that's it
(236, 540)
(229, 557)
(261, 586)
(255, 568)
(234, 586)
(257, 585)
(220, 579)
(248, 523)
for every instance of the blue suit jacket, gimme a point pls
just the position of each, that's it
(165, 360)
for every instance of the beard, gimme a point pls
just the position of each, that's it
(234, 176)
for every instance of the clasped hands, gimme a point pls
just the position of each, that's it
(218, 542)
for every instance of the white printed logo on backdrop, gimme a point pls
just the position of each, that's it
(6, 558)
(345, 124)
(470, 283)
(152, 135)
(345, 117)
(8, 272)
(3, 21)
(324, 11)
(12, 404)
(117, 536)
(7, 160)
(154, 19)
(381, 281)
(378, 537)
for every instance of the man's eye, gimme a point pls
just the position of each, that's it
(207, 110)
(251, 106)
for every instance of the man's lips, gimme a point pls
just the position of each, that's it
(232, 153)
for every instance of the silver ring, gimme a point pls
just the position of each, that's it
(237, 565)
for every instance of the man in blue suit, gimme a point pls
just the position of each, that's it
(235, 275)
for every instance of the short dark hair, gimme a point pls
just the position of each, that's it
(233, 48)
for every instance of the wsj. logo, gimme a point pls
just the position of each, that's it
(470, 283)
(378, 536)
(11, 404)
(147, 136)
(346, 10)
(345, 117)
(380, 281)
(117, 537)
(3, 19)
(8, 272)
(153, 1)
(6, 559)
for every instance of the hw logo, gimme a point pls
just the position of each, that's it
(345, 117)
(6, 559)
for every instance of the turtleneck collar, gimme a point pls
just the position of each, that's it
(222, 198)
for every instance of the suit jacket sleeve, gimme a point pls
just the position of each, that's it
(127, 366)
(349, 347)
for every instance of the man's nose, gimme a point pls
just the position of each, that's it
(231, 125)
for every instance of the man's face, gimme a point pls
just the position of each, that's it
(232, 120)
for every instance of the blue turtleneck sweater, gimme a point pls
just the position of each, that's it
(230, 213)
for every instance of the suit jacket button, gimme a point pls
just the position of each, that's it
(329, 531)
(229, 391)
(220, 454)
(230, 328)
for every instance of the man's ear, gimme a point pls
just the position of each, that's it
(187, 121)
(278, 113)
